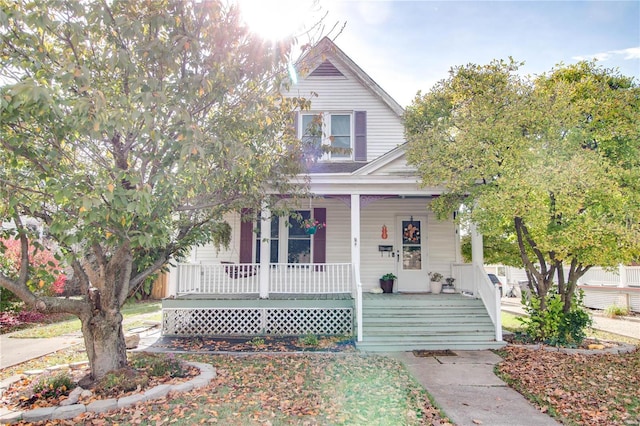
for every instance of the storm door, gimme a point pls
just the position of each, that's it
(411, 254)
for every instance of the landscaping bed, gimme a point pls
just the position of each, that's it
(262, 344)
(576, 388)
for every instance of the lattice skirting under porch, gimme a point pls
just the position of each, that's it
(256, 321)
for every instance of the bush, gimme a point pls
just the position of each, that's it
(122, 380)
(159, 365)
(48, 386)
(310, 340)
(46, 276)
(616, 311)
(553, 326)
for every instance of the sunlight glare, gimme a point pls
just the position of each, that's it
(276, 19)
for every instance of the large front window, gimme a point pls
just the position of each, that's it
(289, 241)
(329, 130)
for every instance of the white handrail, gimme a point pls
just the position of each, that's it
(490, 295)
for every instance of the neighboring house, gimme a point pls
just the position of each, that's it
(378, 221)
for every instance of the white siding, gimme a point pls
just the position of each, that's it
(396, 167)
(212, 254)
(385, 129)
(442, 249)
(440, 238)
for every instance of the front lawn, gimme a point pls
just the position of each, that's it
(313, 389)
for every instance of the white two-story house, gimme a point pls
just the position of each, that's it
(374, 219)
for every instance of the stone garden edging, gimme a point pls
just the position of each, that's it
(207, 373)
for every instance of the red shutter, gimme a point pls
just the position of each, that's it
(320, 237)
(246, 237)
(360, 127)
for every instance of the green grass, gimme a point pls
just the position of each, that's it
(342, 389)
(73, 326)
(310, 389)
(510, 322)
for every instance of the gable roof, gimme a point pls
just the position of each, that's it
(317, 57)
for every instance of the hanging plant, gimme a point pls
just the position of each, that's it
(311, 225)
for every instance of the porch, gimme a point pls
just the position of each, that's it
(327, 299)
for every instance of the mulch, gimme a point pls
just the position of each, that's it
(262, 344)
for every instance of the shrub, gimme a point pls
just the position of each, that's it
(122, 380)
(310, 340)
(52, 386)
(616, 311)
(159, 365)
(554, 326)
(46, 277)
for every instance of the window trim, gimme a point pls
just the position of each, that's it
(325, 138)
(283, 240)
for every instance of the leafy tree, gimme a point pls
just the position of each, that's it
(129, 129)
(551, 164)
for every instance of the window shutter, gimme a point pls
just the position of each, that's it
(320, 237)
(294, 119)
(246, 237)
(360, 145)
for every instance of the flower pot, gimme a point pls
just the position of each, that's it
(311, 230)
(436, 287)
(386, 286)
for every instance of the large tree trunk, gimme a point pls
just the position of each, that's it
(104, 340)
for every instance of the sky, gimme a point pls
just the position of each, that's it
(407, 46)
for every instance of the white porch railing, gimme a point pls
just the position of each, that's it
(316, 278)
(464, 281)
(473, 280)
(326, 278)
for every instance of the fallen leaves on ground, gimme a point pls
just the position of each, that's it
(255, 344)
(578, 389)
(305, 389)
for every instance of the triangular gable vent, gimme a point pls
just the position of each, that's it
(326, 69)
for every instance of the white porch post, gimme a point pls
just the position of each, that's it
(355, 258)
(265, 251)
(173, 280)
(477, 253)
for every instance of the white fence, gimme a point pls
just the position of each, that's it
(624, 276)
(602, 288)
(326, 278)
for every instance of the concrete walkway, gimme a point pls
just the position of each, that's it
(466, 389)
(15, 351)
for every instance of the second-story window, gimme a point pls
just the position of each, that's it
(329, 129)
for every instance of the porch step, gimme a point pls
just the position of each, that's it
(409, 322)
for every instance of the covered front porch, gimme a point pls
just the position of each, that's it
(327, 299)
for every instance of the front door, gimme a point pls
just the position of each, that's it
(412, 253)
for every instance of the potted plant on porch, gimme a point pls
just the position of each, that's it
(435, 279)
(449, 287)
(386, 282)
